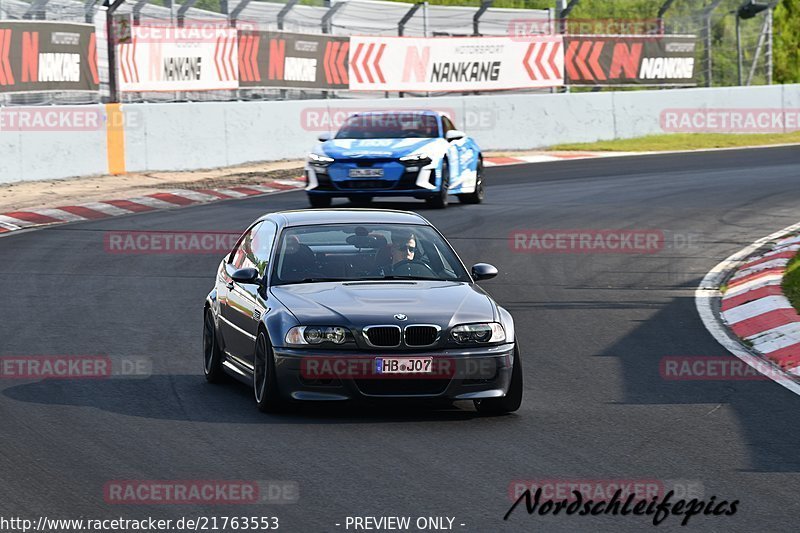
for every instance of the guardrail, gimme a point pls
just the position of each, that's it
(60, 141)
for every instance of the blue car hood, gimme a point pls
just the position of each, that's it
(379, 148)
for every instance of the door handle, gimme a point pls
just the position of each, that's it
(229, 285)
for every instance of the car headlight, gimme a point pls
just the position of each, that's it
(305, 335)
(416, 158)
(320, 159)
(478, 333)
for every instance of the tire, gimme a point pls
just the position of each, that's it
(315, 200)
(440, 200)
(360, 200)
(265, 383)
(212, 354)
(479, 194)
(513, 398)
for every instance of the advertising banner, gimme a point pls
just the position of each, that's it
(291, 60)
(47, 56)
(455, 63)
(169, 58)
(630, 60)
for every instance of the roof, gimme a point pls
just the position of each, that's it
(306, 217)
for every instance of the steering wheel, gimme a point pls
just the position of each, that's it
(413, 268)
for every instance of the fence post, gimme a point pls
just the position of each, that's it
(112, 51)
(485, 4)
(285, 11)
(236, 10)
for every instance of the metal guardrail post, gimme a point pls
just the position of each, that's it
(661, 12)
(88, 10)
(401, 26)
(707, 13)
(236, 11)
(37, 10)
(485, 4)
(327, 26)
(326, 18)
(137, 11)
(112, 51)
(285, 11)
(182, 11)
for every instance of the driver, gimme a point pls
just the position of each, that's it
(402, 248)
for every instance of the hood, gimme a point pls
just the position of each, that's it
(358, 304)
(383, 148)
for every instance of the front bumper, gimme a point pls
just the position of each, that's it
(397, 180)
(463, 374)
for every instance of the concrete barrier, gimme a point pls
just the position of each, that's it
(185, 136)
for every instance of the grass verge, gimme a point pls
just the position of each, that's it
(683, 141)
(791, 282)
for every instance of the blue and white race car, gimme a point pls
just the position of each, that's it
(395, 153)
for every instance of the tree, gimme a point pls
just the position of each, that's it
(787, 42)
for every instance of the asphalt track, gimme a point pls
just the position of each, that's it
(593, 330)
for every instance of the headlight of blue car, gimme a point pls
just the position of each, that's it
(414, 162)
(319, 159)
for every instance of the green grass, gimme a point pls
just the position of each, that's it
(791, 282)
(683, 141)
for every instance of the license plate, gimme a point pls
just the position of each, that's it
(404, 365)
(366, 173)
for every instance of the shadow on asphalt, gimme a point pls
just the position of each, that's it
(190, 398)
(770, 434)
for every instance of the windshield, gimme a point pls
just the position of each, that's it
(347, 252)
(389, 126)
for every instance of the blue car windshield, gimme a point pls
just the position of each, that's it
(389, 126)
(349, 252)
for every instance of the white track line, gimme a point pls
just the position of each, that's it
(195, 196)
(58, 214)
(108, 209)
(152, 202)
(755, 308)
(5, 222)
(708, 292)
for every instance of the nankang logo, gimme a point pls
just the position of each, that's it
(182, 68)
(668, 68)
(60, 67)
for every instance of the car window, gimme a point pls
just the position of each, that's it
(364, 252)
(446, 125)
(262, 245)
(242, 255)
(389, 126)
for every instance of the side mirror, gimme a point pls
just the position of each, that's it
(243, 275)
(324, 137)
(454, 135)
(481, 271)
